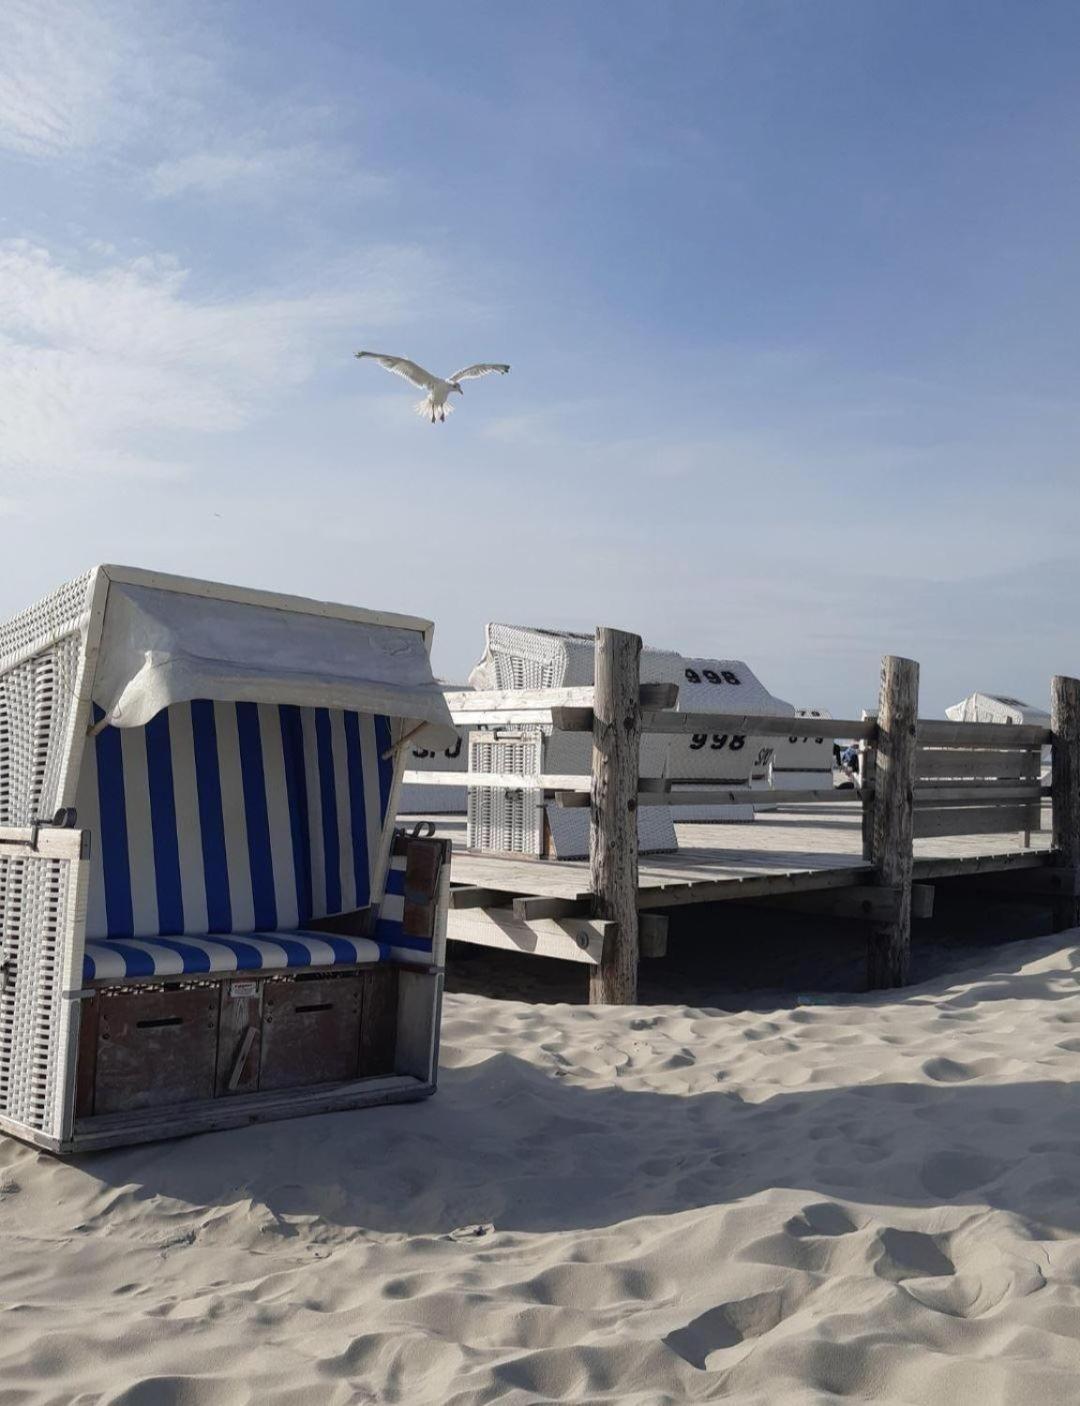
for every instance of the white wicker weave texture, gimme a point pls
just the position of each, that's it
(41, 624)
(506, 821)
(35, 923)
(519, 657)
(40, 652)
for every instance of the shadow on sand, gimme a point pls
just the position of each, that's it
(507, 1142)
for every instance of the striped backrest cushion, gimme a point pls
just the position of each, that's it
(232, 818)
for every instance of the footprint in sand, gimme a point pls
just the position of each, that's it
(708, 1340)
(988, 1281)
(947, 1071)
(910, 1254)
(821, 1218)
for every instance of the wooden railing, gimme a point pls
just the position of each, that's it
(918, 778)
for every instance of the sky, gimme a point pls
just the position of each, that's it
(791, 294)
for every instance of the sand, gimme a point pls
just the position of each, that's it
(871, 1199)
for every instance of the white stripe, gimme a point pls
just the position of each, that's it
(108, 963)
(315, 825)
(366, 949)
(339, 748)
(235, 816)
(392, 908)
(273, 954)
(140, 836)
(188, 827)
(369, 756)
(399, 862)
(320, 953)
(166, 962)
(406, 954)
(277, 812)
(88, 813)
(221, 959)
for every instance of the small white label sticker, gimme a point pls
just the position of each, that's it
(240, 989)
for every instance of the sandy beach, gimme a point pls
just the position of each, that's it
(868, 1198)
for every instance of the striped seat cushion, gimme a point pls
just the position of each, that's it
(113, 960)
(117, 959)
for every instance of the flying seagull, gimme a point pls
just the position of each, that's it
(434, 403)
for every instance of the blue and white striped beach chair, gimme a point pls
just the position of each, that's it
(236, 930)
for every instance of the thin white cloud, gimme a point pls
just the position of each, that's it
(68, 68)
(260, 169)
(103, 363)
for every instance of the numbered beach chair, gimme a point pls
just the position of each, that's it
(207, 917)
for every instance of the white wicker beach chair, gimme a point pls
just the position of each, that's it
(516, 657)
(206, 916)
(521, 658)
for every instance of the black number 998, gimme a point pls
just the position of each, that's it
(735, 743)
(711, 676)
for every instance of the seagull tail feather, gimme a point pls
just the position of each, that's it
(423, 409)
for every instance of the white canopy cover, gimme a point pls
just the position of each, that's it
(996, 708)
(163, 646)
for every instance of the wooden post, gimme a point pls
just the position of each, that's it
(1065, 791)
(613, 840)
(889, 951)
(867, 769)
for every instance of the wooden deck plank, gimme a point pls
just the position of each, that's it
(778, 852)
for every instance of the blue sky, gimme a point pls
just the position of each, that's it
(790, 292)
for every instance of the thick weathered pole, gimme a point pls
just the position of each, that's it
(889, 950)
(1065, 789)
(613, 839)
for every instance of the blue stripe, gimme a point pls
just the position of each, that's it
(398, 939)
(297, 953)
(195, 959)
(253, 778)
(324, 746)
(159, 770)
(395, 881)
(248, 958)
(389, 930)
(357, 811)
(344, 948)
(383, 743)
(116, 872)
(292, 746)
(136, 963)
(211, 817)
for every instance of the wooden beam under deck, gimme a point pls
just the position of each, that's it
(773, 857)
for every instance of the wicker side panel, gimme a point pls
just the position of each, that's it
(39, 902)
(37, 699)
(33, 630)
(506, 821)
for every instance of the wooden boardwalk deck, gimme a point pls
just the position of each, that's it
(779, 852)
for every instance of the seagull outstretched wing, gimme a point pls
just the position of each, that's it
(401, 366)
(482, 368)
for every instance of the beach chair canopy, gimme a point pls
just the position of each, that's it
(162, 646)
(996, 708)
